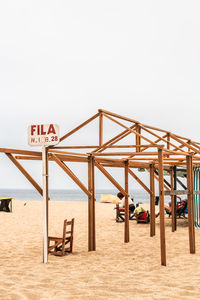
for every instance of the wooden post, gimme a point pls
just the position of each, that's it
(168, 142)
(161, 206)
(100, 129)
(45, 203)
(175, 198)
(126, 223)
(138, 138)
(91, 206)
(172, 199)
(190, 204)
(152, 201)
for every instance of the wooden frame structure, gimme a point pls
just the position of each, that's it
(153, 149)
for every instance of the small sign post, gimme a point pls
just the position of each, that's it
(44, 135)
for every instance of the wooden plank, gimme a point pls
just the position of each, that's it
(183, 143)
(139, 181)
(114, 140)
(91, 206)
(25, 173)
(78, 127)
(156, 135)
(106, 112)
(154, 142)
(23, 152)
(61, 157)
(175, 192)
(125, 153)
(131, 130)
(152, 202)
(71, 174)
(112, 180)
(66, 152)
(75, 147)
(126, 223)
(138, 139)
(172, 199)
(190, 205)
(162, 210)
(100, 129)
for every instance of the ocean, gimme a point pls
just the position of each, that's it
(68, 195)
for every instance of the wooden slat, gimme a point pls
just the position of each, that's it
(114, 140)
(25, 173)
(112, 180)
(100, 129)
(66, 152)
(139, 181)
(172, 199)
(23, 152)
(156, 135)
(78, 127)
(161, 206)
(175, 192)
(138, 139)
(91, 206)
(106, 112)
(152, 202)
(126, 223)
(131, 130)
(190, 205)
(71, 174)
(185, 144)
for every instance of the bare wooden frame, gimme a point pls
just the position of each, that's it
(169, 150)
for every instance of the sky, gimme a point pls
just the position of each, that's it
(60, 61)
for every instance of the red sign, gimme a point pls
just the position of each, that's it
(43, 135)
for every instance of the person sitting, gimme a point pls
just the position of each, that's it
(142, 216)
(130, 202)
(179, 208)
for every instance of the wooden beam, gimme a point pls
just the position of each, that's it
(25, 173)
(100, 129)
(172, 198)
(78, 127)
(161, 206)
(138, 139)
(152, 202)
(131, 130)
(106, 112)
(185, 144)
(190, 204)
(126, 223)
(156, 135)
(71, 174)
(112, 180)
(139, 181)
(23, 152)
(114, 140)
(175, 192)
(175, 198)
(91, 206)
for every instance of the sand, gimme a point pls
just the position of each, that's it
(115, 271)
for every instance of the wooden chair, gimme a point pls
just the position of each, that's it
(64, 244)
(120, 214)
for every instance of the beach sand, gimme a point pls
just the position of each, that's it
(114, 271)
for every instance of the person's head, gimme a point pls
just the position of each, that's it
(120, 195)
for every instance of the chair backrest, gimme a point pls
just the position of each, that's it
(68, 232)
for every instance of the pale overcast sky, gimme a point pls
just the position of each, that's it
(62, 60)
